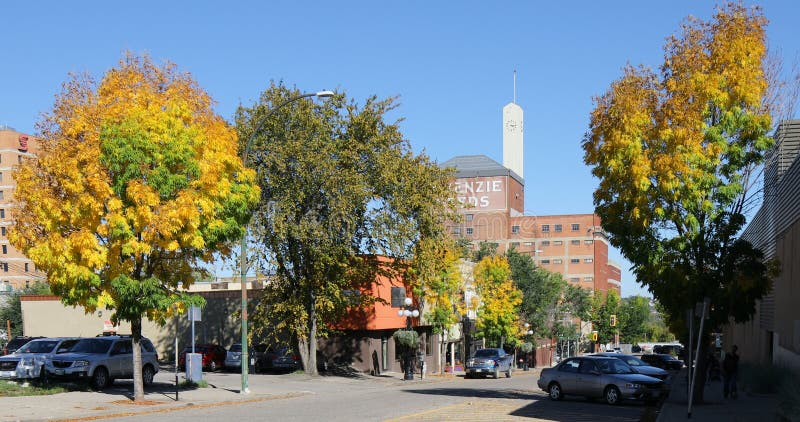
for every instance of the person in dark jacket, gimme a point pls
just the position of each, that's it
(730, 369)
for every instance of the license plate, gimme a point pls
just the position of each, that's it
(479, 370)
(59, 372)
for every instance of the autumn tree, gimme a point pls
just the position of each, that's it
(677, 155)
(137, 184)
(341, 188)
(442, 295)
(498, 314)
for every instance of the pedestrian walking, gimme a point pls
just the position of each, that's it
(730, 370)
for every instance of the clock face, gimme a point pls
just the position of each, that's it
(512, 125)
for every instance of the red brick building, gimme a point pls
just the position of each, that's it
(16, 270)
(494, 196)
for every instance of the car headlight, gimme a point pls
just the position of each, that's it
(26, 361)
(79, 363)
(633, 385)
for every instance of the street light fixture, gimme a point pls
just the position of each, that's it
(409, 312)
(243, 254)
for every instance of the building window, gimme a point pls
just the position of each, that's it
(515, 244)
(457, 231)
(468, 217)
(575, 242)
(3, 231)
(545, 261)
(26, 267)
(398, 297)
(514, 229)
(2, 213)
(5, 249)
(589, 279)
(557, 261)
(470, 230)
(545, 243)
(575, 261)
(527, 243)
(1, 176)
(558, 228)
(588, 242)
(1, 195)
(5, 267)
(545, 227)
(576, 227)
(588, 260)
(557, 243)
(574, 279)
(19, 159)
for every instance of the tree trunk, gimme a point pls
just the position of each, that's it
(308, 347)
(138, 385)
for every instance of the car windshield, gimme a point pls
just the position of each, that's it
(38, 346)
(614, 366)
(633, 361)
(486, 353)
(236, 348)
(92, 345)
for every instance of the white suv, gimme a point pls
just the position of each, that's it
(100, 360)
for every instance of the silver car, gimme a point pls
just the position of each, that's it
(99, 360)
(598, 376)
(28, 361)
(638, 365)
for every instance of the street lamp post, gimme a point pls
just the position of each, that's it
(243, 254)
(408, 311)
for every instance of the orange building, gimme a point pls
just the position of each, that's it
(493, 210)
(16, 270)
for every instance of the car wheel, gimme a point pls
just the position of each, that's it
(212, 366)
(612, 395)
(147, 375)
(508, 373)
(555, 391)
(496, 372)
(100, 378)
(467, 376)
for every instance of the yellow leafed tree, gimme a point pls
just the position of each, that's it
(137, 184)
(498, 315)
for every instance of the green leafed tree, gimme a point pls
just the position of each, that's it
(341, 188)
(542, 291)
(634, 319)
(605, 304)
(677, 154)
(136, 186)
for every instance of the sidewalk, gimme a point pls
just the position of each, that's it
(747, 407)
(223, 390)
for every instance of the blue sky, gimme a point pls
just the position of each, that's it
(451, 64)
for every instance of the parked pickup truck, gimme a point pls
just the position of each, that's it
(489, 362)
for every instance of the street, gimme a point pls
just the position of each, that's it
(390, 399)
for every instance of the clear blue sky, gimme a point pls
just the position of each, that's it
(451, 63)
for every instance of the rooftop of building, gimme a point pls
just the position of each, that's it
(479, 166)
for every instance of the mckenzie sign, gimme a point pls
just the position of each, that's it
(481, 193)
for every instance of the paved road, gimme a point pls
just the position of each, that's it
(389, 399)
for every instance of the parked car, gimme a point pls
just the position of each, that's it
(213, 356)
(489, 361)
(233, 358)
(599, 376)
(28, 361)
(16, 343)
(638, 365)
(663, 361)
(280, 358)
(101, 360)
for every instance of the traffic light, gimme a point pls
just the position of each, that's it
(613, 320)
(594, 335)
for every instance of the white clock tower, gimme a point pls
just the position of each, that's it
(512, 138)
